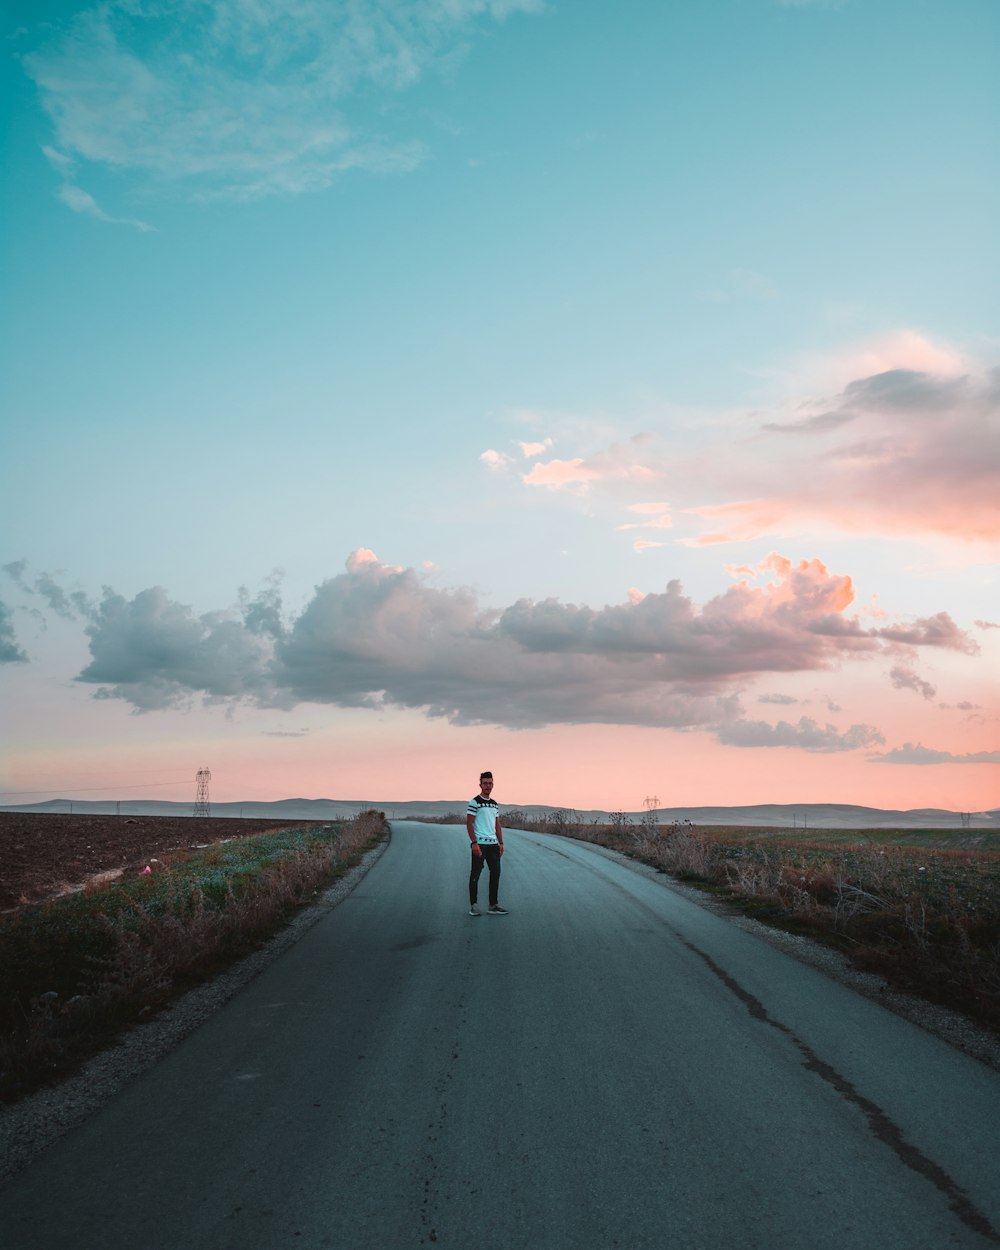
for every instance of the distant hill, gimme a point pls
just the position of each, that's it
(774, 815)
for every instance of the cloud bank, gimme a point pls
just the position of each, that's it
(380, 636)
(807, 735)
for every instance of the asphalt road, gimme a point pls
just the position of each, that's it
(609, 1065)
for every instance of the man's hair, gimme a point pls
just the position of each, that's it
(485, 776)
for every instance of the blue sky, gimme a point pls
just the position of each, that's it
(471, 287)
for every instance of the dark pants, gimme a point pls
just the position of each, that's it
(491, 857)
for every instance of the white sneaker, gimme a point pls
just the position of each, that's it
(498, 910)
(474, 910)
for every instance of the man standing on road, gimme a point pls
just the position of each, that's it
(482, 820)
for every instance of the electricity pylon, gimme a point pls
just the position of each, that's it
(202, 807)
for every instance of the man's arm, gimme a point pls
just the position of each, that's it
(499, 835)
(470, 824)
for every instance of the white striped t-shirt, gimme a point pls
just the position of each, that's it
(486, 813)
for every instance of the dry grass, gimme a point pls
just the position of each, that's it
(76, 971)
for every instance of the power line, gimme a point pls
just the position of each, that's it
(150, 785)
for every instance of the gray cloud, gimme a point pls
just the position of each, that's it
(821, 423)
(905, 679)
(262, 614)
(10, 652)
(916, 753)
(16, 570)
(987, 625)
(54, 596)
(932, 631)
(74, 605)
(905, 391)
(807, 735)
(783, 699)
(155, 653)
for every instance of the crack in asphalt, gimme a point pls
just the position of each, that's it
(882, 1125)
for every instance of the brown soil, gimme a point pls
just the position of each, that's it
(42, 855)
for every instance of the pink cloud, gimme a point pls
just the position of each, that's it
(631, 462)
(807, 587)
(905, 349)
(740, 520)
(534, 449)
(363, 558)
(496, 461)
(561, 473)
(828, 372)
(359, 557)
(664, 522)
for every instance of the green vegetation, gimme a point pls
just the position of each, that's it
(916, 906)
(77, 971)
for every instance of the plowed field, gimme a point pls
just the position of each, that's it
(42, 855)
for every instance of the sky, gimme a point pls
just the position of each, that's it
(607, 395)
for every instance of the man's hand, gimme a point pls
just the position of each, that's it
(476, 849)
(501, 850)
